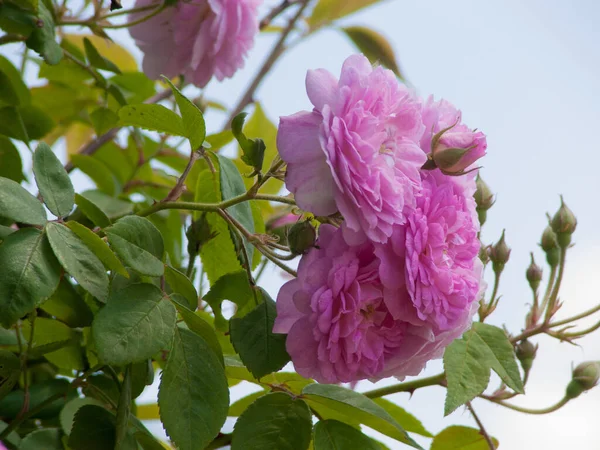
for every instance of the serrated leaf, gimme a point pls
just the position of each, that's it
(374, 46)
(253, 150)
(198, 325)
(274, 422)
(78, 260)
(67, 414)
(192, 118)
(180, 284)
(468, 362)
(103, 120)
(261, 350)
(29, 274)
(53, 181)
(357, 407)
(329, 10)
(96, 59)
(11, 167)
(47, 439)
(234, 287)
(193, 395)
(100, 174)
(92, 212)
(153, 118)
(43, 39)
(113, 208)
(409, 422)
(93, 429)
(99, 248)
(139, 244)
(335, 435)
(460, 438)
(19, 205)
(136, 323)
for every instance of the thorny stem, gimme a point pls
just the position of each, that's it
(484, 433)
(276, 52)
(548, 410)
(407, 386)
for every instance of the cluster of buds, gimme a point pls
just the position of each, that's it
(585, 377)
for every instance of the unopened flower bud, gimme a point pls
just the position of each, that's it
(585, 377)
(534, 274)
(499, 254)
(484, 254)
(301, 237)
(198, 234)
(483, 195)
(526, 352)
(564, 224)
(550, 246)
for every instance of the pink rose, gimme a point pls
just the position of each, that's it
(451, 145)
(357, 152)
(346, 322)
(197, 38)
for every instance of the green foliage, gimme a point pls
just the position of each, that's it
(329, 10)
(43, 39)
(253, 150)
(468, 362)
(19, 205)
(274, 422)
(93, 429)
(192, 118)
(10, 369)
(374, 46)
(460, 438)
(335, 435)
(53, 181)
(153, 118)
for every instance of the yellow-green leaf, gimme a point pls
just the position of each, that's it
(374, 46)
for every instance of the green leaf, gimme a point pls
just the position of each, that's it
(103, 120)
(153, 118)
(112, 207)
(67, 414)
(259, 228)
(199, 326)
(136, 84)
(13, 19)
(42, 39)
(13, 91)
(232, 185)
(460, 438)
(10, 369)
(335, 435)
(98, 247)
(234, 287)
(169, 223)
(13, 438)
(237, 408)
(123, 411)
(409, 422)
(274, 422)
(329, 10)
(116, 159)
(93, 429)
(11, 167)
(357, 407)
(5, 231)
(39, 392)
(219, 140)
(193, 395)
(468, 361)
(78, 260)
(374, 46)
(96, 59)
(25, 122)
(261, 350)
(142, 375)
(180, 284)
(139, 244)
(92, 212)
(253, 150)
(48, 439)
(146, 440)
(53, 181)
(136, 323)
(29, 274)
(100, 174)
(192, 118)
(68, 306)
(49, 335)
(19, 205)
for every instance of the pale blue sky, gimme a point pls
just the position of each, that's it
(527, 74)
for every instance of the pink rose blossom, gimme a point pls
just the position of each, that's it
(452, 151)
(357, 152)
(197, 38)
(346, 321)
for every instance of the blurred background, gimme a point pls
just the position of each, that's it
(527, 73)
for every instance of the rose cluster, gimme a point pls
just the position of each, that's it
(401, 278)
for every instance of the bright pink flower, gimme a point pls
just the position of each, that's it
(458, 147)
(357, 152)
(346, 322)
(197, 38)
(435, 255)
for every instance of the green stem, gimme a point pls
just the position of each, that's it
(521, 409)
(408, 386)
(136, 22)
(484, 433)
(581, 333)
(549, 287)
(554, 296)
